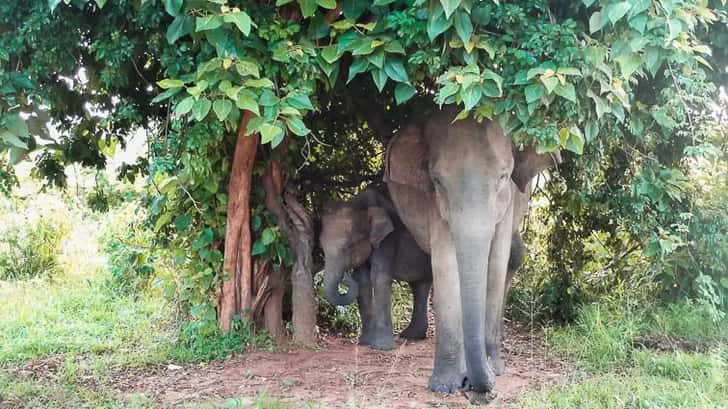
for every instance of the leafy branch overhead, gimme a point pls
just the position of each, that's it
(509, 62)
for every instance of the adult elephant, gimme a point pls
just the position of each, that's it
(458, 188)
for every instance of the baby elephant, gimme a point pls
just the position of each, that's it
(366, 234)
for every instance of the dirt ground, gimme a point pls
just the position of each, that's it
(341, 375)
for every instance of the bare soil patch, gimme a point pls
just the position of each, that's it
(340, 374)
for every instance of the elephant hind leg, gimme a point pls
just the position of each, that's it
(417, 328)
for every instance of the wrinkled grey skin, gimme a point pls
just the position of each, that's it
(366, 234)
(460, 191)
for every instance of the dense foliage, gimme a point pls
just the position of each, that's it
(625, 87)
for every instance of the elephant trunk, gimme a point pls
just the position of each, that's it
(472, 244)
(333, 277)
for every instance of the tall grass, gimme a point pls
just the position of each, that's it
(607, 341)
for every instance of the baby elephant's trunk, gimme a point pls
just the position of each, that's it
(331, 284)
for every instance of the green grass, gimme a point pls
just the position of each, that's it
(620, 373)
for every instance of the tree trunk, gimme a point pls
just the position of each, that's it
(236, 294)
(303, 297)
(273, 307)
(296, 223)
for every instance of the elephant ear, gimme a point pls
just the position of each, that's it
(528, 163)
(406, 161)
(380, 225)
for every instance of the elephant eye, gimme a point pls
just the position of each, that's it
(504, 176)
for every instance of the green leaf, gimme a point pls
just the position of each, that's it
(222, 108)
(201, 108)
(163, 220)
(248, 67)
(180, 27)
(534, 93)
(170, 83)
(618, 10)
(674, 29)
(203, 239)
(724, 282)
(52, 4)
(16, 155)
(166, 94)
(588, 2)
(403, 92)
(308, 7)
(327, 4)
(268, 99)
(207, 23)
(296, 125)
(184, 106)
(449, 6)
(260, 83)
(247, 103)
(394, 47)
(258, 248)
(299, 101)
(241, 20)
(591, 130)
(269, 132)
(269, 236)
(377, 58)
(358, 66)
(353, 9)
(550, 83)
(362, 46)
(10, 139)
(173, 7)
(331, 53)
(628, 63)
(437, 24)
(471, 96)
(380, 79)
(566, 91)
(396, 71)
(575, 143)
(596, 22)
(595, 55)
(639, 23)
(463, 26)
(182, 222)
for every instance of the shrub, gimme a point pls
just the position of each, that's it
(128, 243)
(31, 237)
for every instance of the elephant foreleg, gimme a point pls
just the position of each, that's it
(365, 304)
(500, 249)
(417, 329)
(449, 367)
(380, 265)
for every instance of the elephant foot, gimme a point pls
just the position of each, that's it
(382, 345)
(413, 333)
(446, 383)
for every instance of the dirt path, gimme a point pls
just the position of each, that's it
(341, 375)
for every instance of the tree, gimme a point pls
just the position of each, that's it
(618, 84)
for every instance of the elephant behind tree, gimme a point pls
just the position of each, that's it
(366, 234)
(458, 188)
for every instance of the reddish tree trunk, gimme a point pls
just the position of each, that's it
(236, 294)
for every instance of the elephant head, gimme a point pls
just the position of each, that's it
(469, 172)
(349, 232)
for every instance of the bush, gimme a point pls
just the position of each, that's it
(31, 237)
(128, 243)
